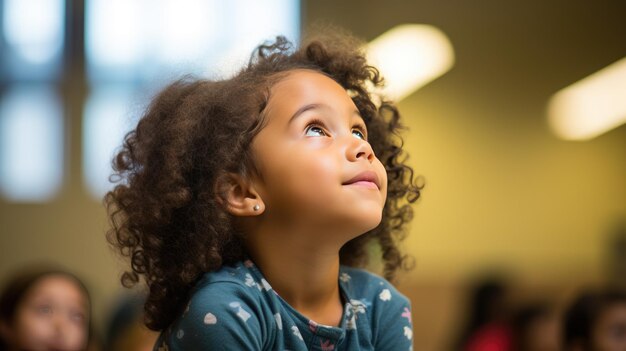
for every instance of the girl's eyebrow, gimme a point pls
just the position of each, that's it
(303, 109)
(315, 106)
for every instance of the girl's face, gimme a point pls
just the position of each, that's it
(52, 316)
(609, 332)
(315, 163)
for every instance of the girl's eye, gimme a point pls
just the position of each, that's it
(314, 130)
(77, 317)
(358, 133)
(44, 309)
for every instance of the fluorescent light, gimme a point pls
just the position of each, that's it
(591, 106)
(410, 56)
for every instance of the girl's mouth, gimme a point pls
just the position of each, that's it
(367, 179)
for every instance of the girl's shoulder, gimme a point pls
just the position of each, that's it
(371, 292)
(223, 305)
(242, 279)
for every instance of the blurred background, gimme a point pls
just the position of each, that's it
(506, 199)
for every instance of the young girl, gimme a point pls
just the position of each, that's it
(245, 204)
(44, 310)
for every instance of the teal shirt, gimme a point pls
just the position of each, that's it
(235, 308)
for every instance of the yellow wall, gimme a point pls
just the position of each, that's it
(507, 192)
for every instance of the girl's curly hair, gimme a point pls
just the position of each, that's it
(164, 212)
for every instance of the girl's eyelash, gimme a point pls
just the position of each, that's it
(318, 123)
(315, 122)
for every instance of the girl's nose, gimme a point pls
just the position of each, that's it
(59, 328)
(359, 149)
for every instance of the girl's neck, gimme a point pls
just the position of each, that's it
(304, 273)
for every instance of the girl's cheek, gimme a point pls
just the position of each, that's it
(32, 331)
(76, 338)
(75, 341)
(383, 174)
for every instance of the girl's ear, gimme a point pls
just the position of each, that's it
(238, 195)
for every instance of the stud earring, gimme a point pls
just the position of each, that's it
(256, 207)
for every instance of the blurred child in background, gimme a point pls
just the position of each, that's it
(535, 327)
(596, 321)
(487, 327)
(44, 310)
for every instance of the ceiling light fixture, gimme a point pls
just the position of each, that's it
(409, 56)
(591, 106)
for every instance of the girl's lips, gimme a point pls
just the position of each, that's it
(365, 183)
(368, 179)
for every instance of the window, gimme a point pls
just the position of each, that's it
(33, 33)
(131, 50)
(31, 116)
(108, 116)
(31, 143)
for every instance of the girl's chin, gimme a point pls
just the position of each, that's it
(365, 224)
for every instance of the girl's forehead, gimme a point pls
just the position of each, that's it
(57, 287)
(303, 75)
(302, 86)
